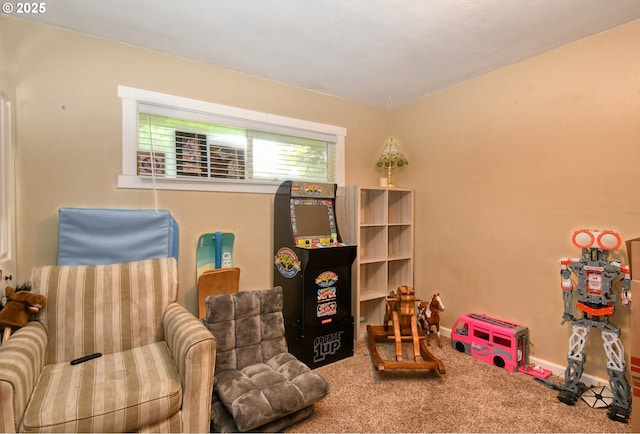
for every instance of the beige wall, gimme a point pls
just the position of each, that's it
(508, 165)
(505, 166)
(71, 157)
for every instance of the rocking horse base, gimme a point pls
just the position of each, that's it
(429, 362)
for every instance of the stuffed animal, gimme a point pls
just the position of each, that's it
(20, 306)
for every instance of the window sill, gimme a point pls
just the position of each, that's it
(136, 182)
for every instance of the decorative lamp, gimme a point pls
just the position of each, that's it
(391, 158)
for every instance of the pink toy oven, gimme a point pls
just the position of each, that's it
(496, 342)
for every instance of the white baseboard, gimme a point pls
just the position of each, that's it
(588, 380)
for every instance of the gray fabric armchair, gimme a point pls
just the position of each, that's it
(258, 384)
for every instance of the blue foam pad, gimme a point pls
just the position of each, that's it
(89, 236)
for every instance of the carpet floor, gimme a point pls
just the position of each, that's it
(472, 396)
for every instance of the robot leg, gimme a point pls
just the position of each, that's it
(620, 408)
(573, 388)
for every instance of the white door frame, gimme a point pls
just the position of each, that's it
(7, 187)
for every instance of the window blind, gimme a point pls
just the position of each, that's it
(188, 147)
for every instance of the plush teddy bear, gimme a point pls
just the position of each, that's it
(20, 306)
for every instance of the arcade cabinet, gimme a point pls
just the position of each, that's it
(313, 267)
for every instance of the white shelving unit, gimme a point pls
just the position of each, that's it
(380, 221)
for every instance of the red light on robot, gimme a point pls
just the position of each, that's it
(609, 240)
(583, 239)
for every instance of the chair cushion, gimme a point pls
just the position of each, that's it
(256, 379)
(222, 422)
(264, 392)
(118, 392)
(248, 326)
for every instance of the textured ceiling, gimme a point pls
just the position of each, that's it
(380, 52)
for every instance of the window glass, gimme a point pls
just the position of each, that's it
(481, 334)
(207, 150)
(502, 340)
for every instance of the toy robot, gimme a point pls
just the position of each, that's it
(595, 299)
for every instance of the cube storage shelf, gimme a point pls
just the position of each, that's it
(380, 221)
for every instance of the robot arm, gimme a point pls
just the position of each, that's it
(625, 296)
(565, 274)
(567, 289)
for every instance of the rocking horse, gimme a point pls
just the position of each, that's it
(429, 316)
(401, 311)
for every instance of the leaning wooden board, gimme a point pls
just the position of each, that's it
(213, 282)
(214, 267)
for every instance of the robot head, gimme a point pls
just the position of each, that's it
(596, 244)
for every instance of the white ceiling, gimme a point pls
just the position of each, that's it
(380, 52)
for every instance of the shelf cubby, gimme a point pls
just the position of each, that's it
(400, 241)
(373, 280)
(400, 207)
(400, 273)
(373, 243)
(373, 207)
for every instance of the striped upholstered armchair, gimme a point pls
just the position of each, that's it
(155, 372)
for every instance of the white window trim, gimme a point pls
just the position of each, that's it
(129, 179)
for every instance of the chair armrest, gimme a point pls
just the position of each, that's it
(22, 359)
(194, 352)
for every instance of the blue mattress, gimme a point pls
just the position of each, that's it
(109, 236)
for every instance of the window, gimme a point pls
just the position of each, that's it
(171, 142)
(481, 334)
(502, 340)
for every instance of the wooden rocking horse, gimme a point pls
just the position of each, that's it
(401, 311)
(429, 316)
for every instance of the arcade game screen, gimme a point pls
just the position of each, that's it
(312, 219)
(312, 222)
